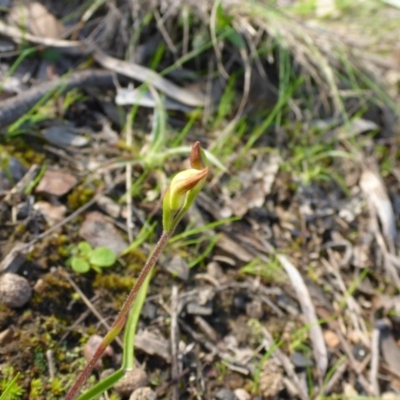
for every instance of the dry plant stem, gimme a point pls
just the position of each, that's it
(121, 318)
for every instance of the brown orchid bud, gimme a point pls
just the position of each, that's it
(184, 188)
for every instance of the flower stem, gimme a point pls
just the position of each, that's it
(121, 318)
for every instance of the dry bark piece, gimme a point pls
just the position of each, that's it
(36, 19)
(52, 213)
(308, 309)
(132, 380)
(98, 231)
(64, 136)
(56, 183)
(374, 189)
(130, 96)
(15, 291)
(14, 259)
(143, 393)
(91, 346)
(7, 335)
(389, 348)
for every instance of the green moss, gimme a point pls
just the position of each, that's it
(113, 282)
(79, 196)
(23, 151)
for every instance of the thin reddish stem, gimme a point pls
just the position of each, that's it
(121, 318)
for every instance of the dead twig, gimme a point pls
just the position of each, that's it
(176, 366)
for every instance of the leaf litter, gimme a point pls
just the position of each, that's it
(297, 296)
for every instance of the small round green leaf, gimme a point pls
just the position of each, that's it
(102, 256)
(79, 265)
(84, 248)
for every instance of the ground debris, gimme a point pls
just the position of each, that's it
(153, 343)
(53, 213)
(98, 231)
(271, 379)
(91, 346)
(132, 380)
(56, 183)
(143, 393)
(15, 290)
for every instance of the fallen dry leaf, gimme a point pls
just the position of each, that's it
(375, 191)
(389, 348)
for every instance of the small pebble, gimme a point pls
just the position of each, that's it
(132, 380)
(225, 394)
(143, 393)
(300, 361)
(331, 339)
(15, 291)
(106, 373)
(241, 394)
(91, 346)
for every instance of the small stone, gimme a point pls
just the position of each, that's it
(106, 373)
(143, 393)
(225, 394)
(91, 346)
(98, 231)
(359, 352)
(52, 213)
(178, 267)
(132, 380)
(15, 291)
(241, 394)
(56, 183)
(300, 361)
(331, 339)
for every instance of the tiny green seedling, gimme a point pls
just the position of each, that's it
(85, 257)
